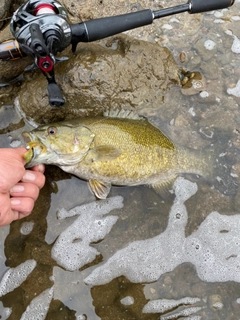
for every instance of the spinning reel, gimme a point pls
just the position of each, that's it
(41, 30)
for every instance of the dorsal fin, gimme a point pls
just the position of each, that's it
(122, 113)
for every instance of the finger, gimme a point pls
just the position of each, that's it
(5, 210)
(20, 151)
(39, 168)
(8, 218)
(23, 205)
(25, 189)
(17, 215)
(11, 167)
(34, 177)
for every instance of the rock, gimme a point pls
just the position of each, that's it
(119, 71)
(4, 11)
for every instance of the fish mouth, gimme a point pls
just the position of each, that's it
(34, 147)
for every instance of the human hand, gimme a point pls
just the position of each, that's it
(19, 188)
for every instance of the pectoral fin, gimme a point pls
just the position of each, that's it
(103, 153)
(99, 188)
(164, 186)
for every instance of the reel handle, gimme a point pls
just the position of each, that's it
(54, 95)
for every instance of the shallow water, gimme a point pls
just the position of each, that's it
(137, 255)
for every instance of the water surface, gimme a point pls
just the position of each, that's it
(139, 256)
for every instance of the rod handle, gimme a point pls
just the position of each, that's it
(198, 6)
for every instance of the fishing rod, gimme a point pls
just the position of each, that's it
(41, 30)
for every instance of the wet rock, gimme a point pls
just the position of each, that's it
(121, 71)
(212, 73)
(12, 68)
(4, 10)
(193, 82)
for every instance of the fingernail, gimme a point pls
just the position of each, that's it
(15, 202)
(29, 176)
(18, 188)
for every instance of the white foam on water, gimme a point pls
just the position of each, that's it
(127, 301)
(39, 306)
(235, 91)
(217, 305)
(191, 318)
(183, 313)
(4, 312)
(14, 277)
(209, 44)
(218, 14)
(72, 249)
(163, 305)
(26, 228)
(167, 26)
(218, 21)
(213, 248)
(204, 94)
(229, 32)
(15, 143)
(235, 18)
(174, 20)
(192, 112)
(81, 317)
(236, 45)
(147, 260)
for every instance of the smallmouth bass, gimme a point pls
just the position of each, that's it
(106, 151)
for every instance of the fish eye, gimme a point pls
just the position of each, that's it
(52, 130)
